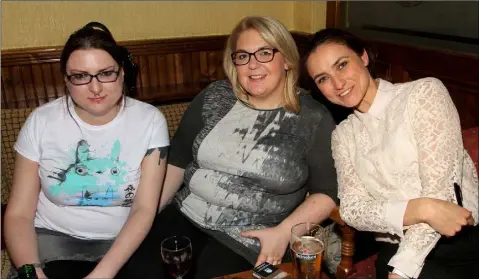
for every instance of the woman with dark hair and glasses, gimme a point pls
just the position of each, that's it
(247, 151)
(401, 163)
(89, 168)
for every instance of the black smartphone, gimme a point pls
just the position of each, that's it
(458, 192)
(269, 271)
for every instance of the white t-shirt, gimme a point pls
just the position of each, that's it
(89, 174)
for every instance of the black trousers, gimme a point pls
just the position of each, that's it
(452, 258)
(210, 257)
(68, 269)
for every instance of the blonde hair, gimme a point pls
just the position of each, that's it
(276, 35)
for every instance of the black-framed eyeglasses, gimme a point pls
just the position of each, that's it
(262, 55)
(85, 78)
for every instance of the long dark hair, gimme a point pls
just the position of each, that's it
(339, 36)
(95, 35)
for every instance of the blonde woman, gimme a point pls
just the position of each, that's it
(247, 151)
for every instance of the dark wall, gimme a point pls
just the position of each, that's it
(455, 18)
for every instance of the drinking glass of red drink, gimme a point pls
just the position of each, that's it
(176, 252)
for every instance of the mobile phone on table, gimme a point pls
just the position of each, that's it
(269, 271)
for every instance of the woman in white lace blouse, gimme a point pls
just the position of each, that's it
(398, 156)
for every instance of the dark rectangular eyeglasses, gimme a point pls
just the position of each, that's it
(262, 55)
(85, 78)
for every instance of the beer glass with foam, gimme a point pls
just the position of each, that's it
(307, 247)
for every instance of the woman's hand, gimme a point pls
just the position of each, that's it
(40, 273)
(96, 273)
(274, 242)
(447, 218)
(395, 276)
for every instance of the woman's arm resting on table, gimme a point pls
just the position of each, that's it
(20, 236)
(142, 213)
(274, 241)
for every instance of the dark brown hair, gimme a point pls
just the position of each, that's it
(95, 35)
(339, 36)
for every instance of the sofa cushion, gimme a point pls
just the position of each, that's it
(12, 121)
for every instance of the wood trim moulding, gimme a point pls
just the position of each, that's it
(51, 54)
(179, 68)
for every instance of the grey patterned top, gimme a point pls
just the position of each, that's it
(249, 169)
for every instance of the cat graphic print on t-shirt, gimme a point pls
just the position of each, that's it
(90, 179)
(89, 174)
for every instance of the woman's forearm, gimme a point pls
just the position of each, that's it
(415, 212)
(446, 218)
(128, 240)
(140, 219)
(315, 208)
(173, 182)
(19, 228)
(21, 241)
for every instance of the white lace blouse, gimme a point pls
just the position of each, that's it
(408, 145)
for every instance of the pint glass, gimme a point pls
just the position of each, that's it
(307, 246)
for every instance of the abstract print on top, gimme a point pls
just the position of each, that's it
(248, 168)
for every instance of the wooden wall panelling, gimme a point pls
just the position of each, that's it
(212, 66)
(5, 102)
(177, 69)
(162, 70)
(178, 72)
(383, 70)
(457, 71)
(38, 79)
(170, 69)
(170, 65)
(153, 70)
(442, 63)
(196, 66)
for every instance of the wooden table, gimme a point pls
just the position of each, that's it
(288, 267)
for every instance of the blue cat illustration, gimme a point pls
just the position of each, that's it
(90, 180)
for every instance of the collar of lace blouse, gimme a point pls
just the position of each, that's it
(383, 97)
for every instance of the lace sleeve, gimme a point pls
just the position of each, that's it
(436, 128)
(358, 209)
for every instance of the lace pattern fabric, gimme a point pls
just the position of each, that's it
(408, 145)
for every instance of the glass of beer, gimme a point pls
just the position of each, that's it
(307, 247)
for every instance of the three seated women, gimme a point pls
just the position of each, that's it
(91, 165)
